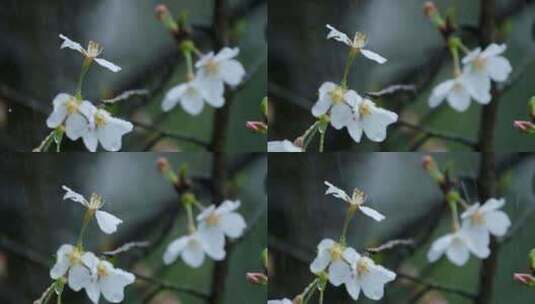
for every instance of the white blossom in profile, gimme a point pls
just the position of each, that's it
(69, 111)
(336, 100)
(457, 246)
(330, 256)
(358, 43)
(283, 146)
(460, 91)
(481, 220)
(215, 70)
(69, 262)
(369, 119)
(93, 51)
(214, 223)
(192, 249)
(366, 276)
(191, 96)
(283, 301)
(106, 280)
(107, 222)
(357, 199)
(488, 64)
(105, 129)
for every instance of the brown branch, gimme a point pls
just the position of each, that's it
(442, 135)
(164, 285)
(162, 133)
(431, 285)
(487, 176)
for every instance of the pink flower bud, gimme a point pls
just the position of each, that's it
(256, 278)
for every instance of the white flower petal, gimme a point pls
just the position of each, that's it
(62, 262)
(320, 262)
(193, 253)
(108, 65)
(440, 92)
(74, 196)
(492, 204)
(68, 43)
(478, 85)
(338, 36)
(93, 291)
(352, 98)
(326, 88)
(76, 126)
(497, 222)
(373, 56)
(470, 211)
(459, 99)
(233, 225)
(110, 136)
(498, 68)
(339, 272)
(341, 115)
(438, 248)
(375, 125)
(457, 252)
(322, 106)
(326, 244)
(336, 192)
(353, 288)
(112, 286)
(372, 213)
(209, 86)
(174, 249)
(90, 141)
(226, 53)
(79, 277)
(355, 130)
(232, 72)
(173, 97)
(107, 222)
(477, 233)
(494, 50)
(192, 103)
(228, 206)
(59, 112)
(351, 255)
(471, 56)
(204, 59)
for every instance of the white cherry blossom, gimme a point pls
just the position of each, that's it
(283, 146)
(192, 96)
(72, 112)
(458, 246)
(106, 129)
(366, 276)
(369, 119)
(106, 280)
(480, 220)
(107, 222)
(357, 199)
(338, 101)
(69, 260)
(192, 249)
(488, 64)
(283, 301)
(217, 222)
(330, 254)
(459, 92)
(358, 43)
(92, 52)
(215, 70)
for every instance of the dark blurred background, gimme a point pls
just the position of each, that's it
(33, 69)
(35, 221)
(301, 59)
(300, 216)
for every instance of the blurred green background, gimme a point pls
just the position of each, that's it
(301, 59)
(33, 69)
(300, 216)
(35, 221)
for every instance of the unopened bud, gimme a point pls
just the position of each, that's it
(257, 127)
(524, 278)
(188, 198)
(430, 8)
(431, 11)
(163, 14)
(165, 168)
(257, 278)
(264, 107)
(532, 108)
(524, 126)
(429, 164)
(532, 260)
(265, 258)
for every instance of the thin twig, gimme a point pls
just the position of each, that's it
(180, 137)
(168, 286)
(127, 247)
(393, 89)
(442, 135)
(431, 285)
(391, 245)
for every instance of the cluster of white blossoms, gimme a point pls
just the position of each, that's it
(83, 269)
(346, 108)
(343, 264)
(213, 71)
(474, 82)
(81, 118)
(478, 222)
(214, 224)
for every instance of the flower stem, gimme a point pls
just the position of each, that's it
(191, 222)
(350, 58)
(87, 219)
(453, 45)
(349, 215)
(454, 215)
(85, 68)
(189, 63)
(321, 295)
(309, 291)
(322, 141)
